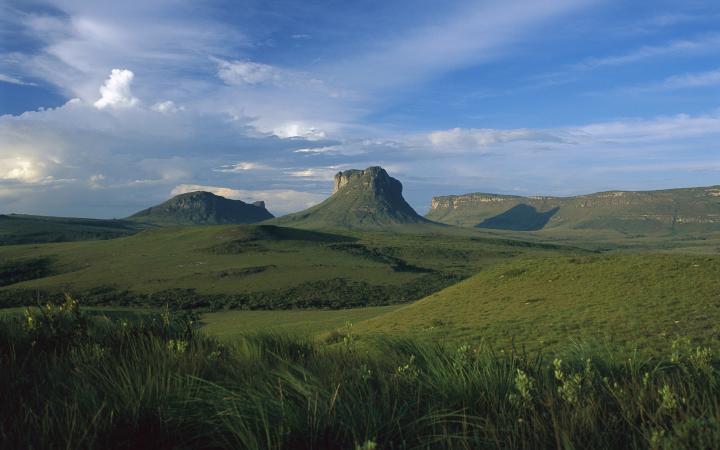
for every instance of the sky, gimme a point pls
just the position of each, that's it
(108, 107)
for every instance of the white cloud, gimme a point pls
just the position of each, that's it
(246, 72)
(22, 169)
(674, 48)
(13, 80)
(316, 173)
(298, 129)
(116, 90)
(242, 167)
(474, 33)
(166, 107)
(278, 201)
(314, 150)
(683, 81)
(96, 181)
(659, 129)
(478, 138)
(691, 80)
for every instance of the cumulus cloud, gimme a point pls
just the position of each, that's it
(116, 92)
(166, 107)
(58, 161)
(278, 201)
(21, 169)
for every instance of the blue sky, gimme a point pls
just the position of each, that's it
(107, 107)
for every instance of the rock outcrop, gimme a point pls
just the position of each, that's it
(668, 210)
(367, 198)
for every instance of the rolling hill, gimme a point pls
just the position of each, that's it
(667, 212)
(626, 300)
(252, 267)
(202, 208)
(27, 229)
(361, 199)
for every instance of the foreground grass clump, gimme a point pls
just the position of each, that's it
(69, 381)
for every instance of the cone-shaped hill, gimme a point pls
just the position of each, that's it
(202, 208)
(362, 199)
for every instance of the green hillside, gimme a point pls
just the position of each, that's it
(626, 300)
(361, 199)
(252, 267)
(202, 208)
(27, 229)
(666, 212)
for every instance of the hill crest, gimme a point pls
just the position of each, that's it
(202, 208)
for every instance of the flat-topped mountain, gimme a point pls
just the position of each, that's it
(671, 210)
(202, 208)
(367, 198)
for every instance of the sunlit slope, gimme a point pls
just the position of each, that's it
(252, 266)
(625, 300)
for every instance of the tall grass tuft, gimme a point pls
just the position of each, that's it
(70, 381)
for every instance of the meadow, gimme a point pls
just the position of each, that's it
(264, 337)
(73, 381)
(627, 301)
(253, 267)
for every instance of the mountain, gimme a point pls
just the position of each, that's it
(362, 199)
(665, 211)
(202, 208)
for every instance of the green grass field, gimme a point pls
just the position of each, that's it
(626, 301)
(257, 267)
(229, 325)
(73, 381)
(27, 229)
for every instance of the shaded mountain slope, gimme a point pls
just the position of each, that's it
(202, 208)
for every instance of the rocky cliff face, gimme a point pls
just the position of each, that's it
(630, 211)
(373, 179)
(367, 198)
(203, 208)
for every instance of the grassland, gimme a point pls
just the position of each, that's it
(69, 381)
(626, 301)
(228, 325)
(255, 267)
(26, 229)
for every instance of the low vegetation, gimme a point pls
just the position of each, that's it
(26, 229)
(255, 267)
(627, 301)
(71, 381)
